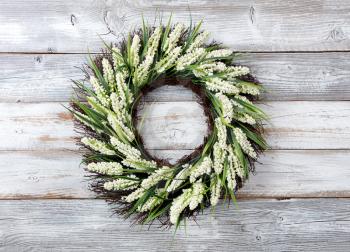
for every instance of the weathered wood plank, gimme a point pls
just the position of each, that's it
(293, 125)
(280, 174)
(74, 26)
(87, 225)
(286, 76)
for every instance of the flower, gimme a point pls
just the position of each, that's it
(100, 91)
(220, 53)
(173, 38)
(106, 168)
(179, 178)
(120, 128)
(125, 149)
(97, 145)
(118, 62)
(215, 190)
(149, 204)
(235, 71)
(179, 204)
(198, 41)
(189, 58)
(245, 118)
(197, 195)
(203, 168)
(168, 61)
(248, 88)
(122, 184)
(135, 195)
(159, 175)
(134, 51)
(208, 69)
(244, 143)
(139, 163)
(142, 71)
(108, 73)
(226, 105)
(220, 85)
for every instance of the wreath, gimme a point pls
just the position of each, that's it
(121, 169)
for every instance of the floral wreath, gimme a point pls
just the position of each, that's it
(121, 169)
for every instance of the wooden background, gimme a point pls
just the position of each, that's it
(297, 201)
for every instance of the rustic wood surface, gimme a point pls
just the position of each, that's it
(257, 225)
(297, 200)
(286, 76)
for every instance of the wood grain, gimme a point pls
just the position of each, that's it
(292, 125)
(87, 225)
(74, 26)
(286, 77)
(279, 174)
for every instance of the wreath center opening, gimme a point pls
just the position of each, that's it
(173, 120)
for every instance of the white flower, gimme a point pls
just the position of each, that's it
(173, 38)
(196, 195)
(222, 132)
(135, 195)
(122, 184)
(215, 190)
(118, 107)
(189, 58)
(219, 155)
(234, 164)
(97, 145)
(159, 175)
(247, 88)
(220, 53)
(106, 168)
(203, 168)
(100, 91)
(179, 178)
(118, 62)
(234, 71)
(149, 204)
(245, 118)
(134, 50)
(179, 204)
(220, 85)
(119, 127)
(191, 197)
(220, 147)
(208, 69)
(108, 73)
(142, 71)
(243, 98)
(139, 163)
(168, 61)
(198, 41)
(227, 109)
(244, 142)
(125, 149)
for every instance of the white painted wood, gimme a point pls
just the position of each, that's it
(56, 174)
(286, 76)
(280, 174)
(75, 26)
(87, 225)
(293, 125)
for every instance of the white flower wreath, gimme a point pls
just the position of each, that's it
(121, 168)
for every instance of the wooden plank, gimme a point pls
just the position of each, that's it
(279, 174)
(292, 125)
(56, 174)
(286, 76)
(87, 225)
(74, 26)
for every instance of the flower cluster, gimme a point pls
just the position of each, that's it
(114, 153)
